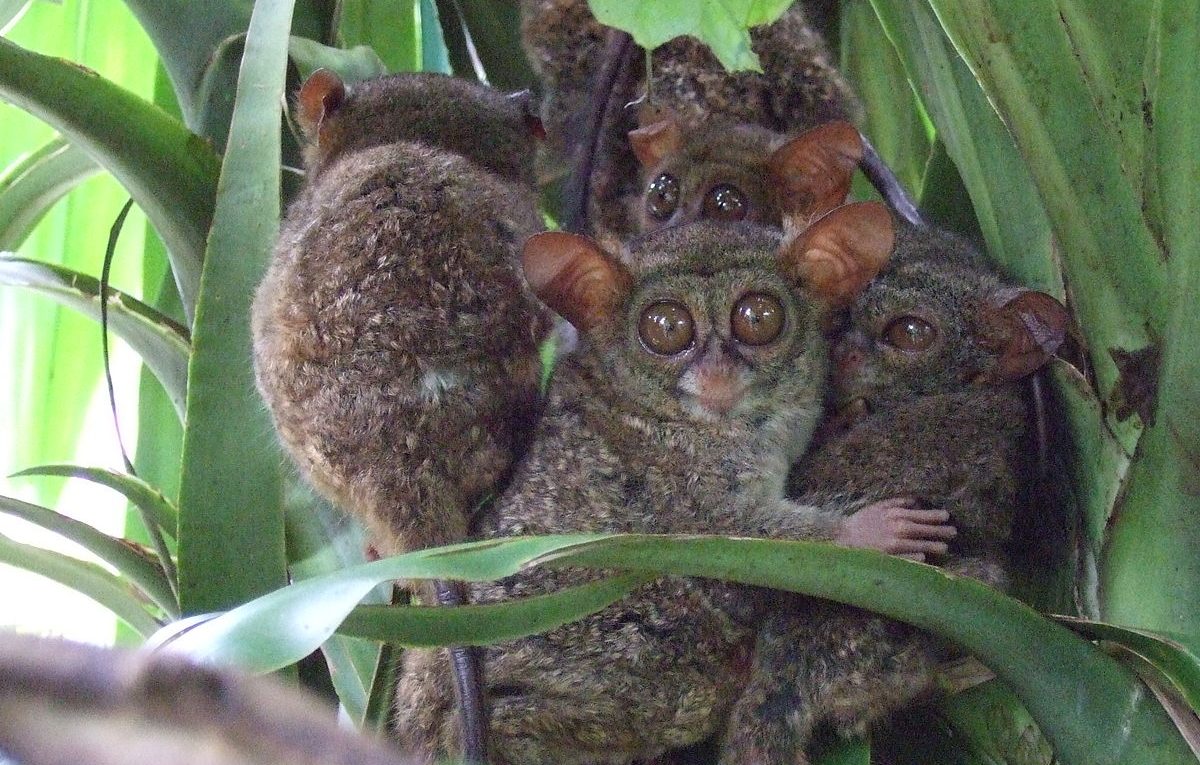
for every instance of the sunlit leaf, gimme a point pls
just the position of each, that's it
(141, 568)
(721, 24)
(157, 507)
(133, 140)
(89, 579)
(162, 344)
(231, 542)
(389, 29)
(31, 186)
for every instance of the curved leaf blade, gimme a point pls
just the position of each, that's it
(148, 499)
(429, 626)
(31, 186)
(352, 65)
(132, 139)
(162, 343)
(138, 566)
(87, 578)
(231, 532)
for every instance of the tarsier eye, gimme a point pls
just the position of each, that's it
(757, 319)
(666, 328)
(725, 202)
(910, 333)
(662, 196)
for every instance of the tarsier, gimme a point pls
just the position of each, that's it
(699, 377)
(798, 88)
(927, 377)
(394, 340)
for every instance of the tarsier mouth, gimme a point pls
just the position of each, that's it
(853, 410)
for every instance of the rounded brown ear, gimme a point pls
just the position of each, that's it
(813, 171)
(320, 96)
(1026, 328)
(578, 280)
(839, 254)
(654, 141)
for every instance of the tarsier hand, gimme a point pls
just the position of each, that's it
(897, 526)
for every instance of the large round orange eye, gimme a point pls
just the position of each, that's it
(725, 202)
(757, 318)
(910, 333)
(662, 196)
(666, 328)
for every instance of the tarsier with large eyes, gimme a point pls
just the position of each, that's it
(699, 377)
(927, 377)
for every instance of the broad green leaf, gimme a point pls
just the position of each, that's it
(720, 24)
(1003, 195)
(427, 626)
(133, 140)
(1046, 89)
(89, 579)
(1093, 710)
(846, 752)
(1152, 563)
(280, 628)
(141, 568)
(156, 507)
(390, 29)
(358, 63)
(231, 542)
(30, 187)
(1168, 655)
(991, 726)
(435, 57)
(894, 120)
(162, 344)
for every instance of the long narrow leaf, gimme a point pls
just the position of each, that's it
(480, 625)
(162, 343)
(151, 501)
(10, 11)
(29, 188)
(140, 567)
(86, 578)
(133, 140)
(357, 63)
(231, 541)
(391, 30)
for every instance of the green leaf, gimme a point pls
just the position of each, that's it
(231, 541)
(895, 122)
(389, 29)
(1093, 710)
(846, 752)
(426, 626)
(31, 186)
(133, 140)
(1168, 655)
(89, 579)
(435, 56)
(10, 11)
(357, 63)
(148, 499)
(162, 344)
(720, 24)
(141, 568)
(280, 628)
(496, 31)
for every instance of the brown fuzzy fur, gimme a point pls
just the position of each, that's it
(395, 342)
(620, 449)
(935, 432)
(797, 89)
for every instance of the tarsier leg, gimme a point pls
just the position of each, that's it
(467, 666)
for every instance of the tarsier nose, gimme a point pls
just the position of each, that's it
(848, 358)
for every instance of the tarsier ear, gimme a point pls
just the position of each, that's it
(839, 254)
(320, 96)
(654, 141)
(813, 171)
(578, 280)
(529, 110)
(1026, 327)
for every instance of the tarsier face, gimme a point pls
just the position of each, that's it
(730, 173)
(936, 321)
(716, 322)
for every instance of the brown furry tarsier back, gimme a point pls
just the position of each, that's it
(395, 342)
(699, 377)
(797, 89)
(927, 374)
